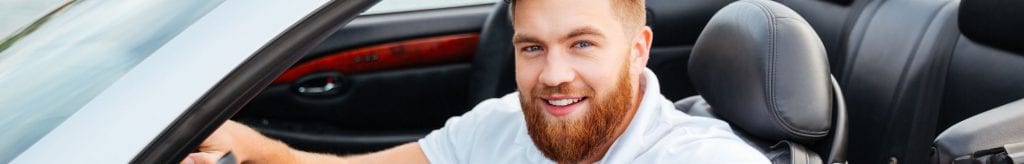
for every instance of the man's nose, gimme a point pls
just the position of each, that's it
(557, 70)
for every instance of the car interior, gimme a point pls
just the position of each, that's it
(808, 81)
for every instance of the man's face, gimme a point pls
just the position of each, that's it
(577, 71)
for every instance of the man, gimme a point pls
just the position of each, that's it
(584, 96)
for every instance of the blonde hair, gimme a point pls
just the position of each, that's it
(631, 13)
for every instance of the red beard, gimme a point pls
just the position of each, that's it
(572, 140)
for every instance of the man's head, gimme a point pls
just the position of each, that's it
(578, 69)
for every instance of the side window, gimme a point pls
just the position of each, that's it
(391, 6)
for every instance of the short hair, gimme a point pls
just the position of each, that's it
(631, 13)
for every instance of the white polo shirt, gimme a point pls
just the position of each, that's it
(495, 132)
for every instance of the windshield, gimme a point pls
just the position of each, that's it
(57, 55)
(390, 6)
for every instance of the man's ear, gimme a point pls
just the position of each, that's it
(641, 49)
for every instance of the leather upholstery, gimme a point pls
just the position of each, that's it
(494, 64)
(832, 20)
(908, 72)
(764, 70)
(991, 129)
(996, 23)
(896, 65)
(697, 106)
(983, 76)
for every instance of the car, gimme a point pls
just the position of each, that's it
(906, 70)
(922, 81)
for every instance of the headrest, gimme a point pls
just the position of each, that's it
(763, 69)
(996, 23)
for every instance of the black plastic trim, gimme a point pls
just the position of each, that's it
(246, 81)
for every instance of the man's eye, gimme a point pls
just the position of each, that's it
(531, 48)
(583, 44)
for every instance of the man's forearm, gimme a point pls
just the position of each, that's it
(278, 152)
(250, 146)
(253, 147)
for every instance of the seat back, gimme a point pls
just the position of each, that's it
(493, 72)
(895, 68)
(986, 65)
(983, 90)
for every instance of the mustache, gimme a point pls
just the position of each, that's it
(563, 88)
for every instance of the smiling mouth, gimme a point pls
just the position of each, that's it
(562, 106)
(564, 102)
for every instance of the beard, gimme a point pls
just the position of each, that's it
(572, 140)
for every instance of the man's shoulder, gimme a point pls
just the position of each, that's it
(710, 144)
(493, 123)
(697, 138)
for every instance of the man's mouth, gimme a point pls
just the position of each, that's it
(562, 106)
(563, 102)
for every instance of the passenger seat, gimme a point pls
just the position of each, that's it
(894, 56)
(908, 73)
(759, 66)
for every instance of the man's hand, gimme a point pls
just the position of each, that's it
(219, 143)
(246, 144)
(213, 148)
(249, 146)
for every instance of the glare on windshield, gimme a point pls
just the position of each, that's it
(57, 55)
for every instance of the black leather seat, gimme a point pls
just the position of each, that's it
(494, 63)
(985, 72)
(892, 59)
(909, 72)
(761, 67)
(986, 65)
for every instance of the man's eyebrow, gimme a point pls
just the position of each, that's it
(520, 38)
(586, 30)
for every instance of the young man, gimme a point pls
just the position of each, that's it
(584, 96)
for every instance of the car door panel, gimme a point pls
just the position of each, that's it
(394, 78)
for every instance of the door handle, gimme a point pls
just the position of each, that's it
(317, 84)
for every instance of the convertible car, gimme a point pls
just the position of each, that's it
(904, 81)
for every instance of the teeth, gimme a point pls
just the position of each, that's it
(563, 102)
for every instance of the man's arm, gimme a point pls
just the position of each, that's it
(249, 146)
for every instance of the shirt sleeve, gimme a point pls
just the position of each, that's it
(451, 143)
